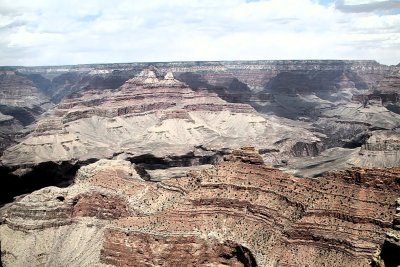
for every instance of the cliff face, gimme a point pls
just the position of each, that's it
(70, 82)
(238, 213)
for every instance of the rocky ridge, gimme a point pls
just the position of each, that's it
(239, 213)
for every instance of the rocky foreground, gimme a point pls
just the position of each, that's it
(237, 213)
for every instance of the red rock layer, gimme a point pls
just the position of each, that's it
(138, 249)
(100, 205)
(145, 93)
(337, 220)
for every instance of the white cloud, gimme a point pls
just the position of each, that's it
(368, 6)
(47, 32)
(361, 2)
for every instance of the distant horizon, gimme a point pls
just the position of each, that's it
(198, 61)
(59, 33)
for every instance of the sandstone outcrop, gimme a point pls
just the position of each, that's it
(137, 249)
(238, 213)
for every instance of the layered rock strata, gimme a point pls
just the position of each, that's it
(255, 74)
(339, 99)
(254, 82)
(148, 115)
(18, 91)
(20, 104)
(375, 148)
(238, 213)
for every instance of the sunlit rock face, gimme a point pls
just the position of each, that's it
(237, 213)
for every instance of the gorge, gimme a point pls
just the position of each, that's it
(238, 163)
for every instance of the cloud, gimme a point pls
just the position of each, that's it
(366, 6)
(46, 32)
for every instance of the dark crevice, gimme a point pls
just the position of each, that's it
(151, 162)
(148, 161)
(395, 108)
(301, 149)
(24, 115)
(34, 178)
(390, 254)
(357, 141)
(142, 173)
(245, 256)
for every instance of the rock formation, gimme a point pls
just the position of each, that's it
(307, 90)
(20, 104)
(238, 213)
(147, 114)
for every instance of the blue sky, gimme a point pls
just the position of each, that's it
(326, 2)
(48, 32)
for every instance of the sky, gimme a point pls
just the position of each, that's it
(60, 32)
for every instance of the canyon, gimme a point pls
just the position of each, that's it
(238, 163)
